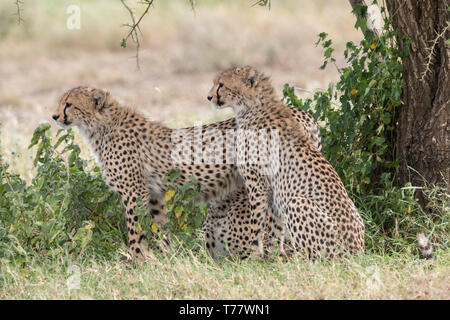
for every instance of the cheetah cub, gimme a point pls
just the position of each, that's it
(135, 154)
(282, 168)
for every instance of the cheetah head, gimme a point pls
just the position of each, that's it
(236, 86)
(80, 106)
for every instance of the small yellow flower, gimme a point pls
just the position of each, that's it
(169, 195)
(154, 227)
(372, 46)
(353, 92)
(87, 227)
(11, 229)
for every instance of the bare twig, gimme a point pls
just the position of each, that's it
(192, 3)
(50, 209)
(134, 28)
(262, 3)
(18, 4)
(431, 53)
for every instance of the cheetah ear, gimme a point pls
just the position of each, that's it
(252, 78)
(100, 98)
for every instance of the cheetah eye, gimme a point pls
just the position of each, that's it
(68, 105)
(218, 88)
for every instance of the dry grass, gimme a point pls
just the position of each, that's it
(194, 276)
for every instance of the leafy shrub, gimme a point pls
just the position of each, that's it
(185, 214)
(184, 210)
(358, 134)
(66, 209)
(359, 113)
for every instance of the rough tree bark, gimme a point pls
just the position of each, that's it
(423, 130)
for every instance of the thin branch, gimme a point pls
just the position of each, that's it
(18, 13)
(50, 209)
(192, 3)
(431, 53)
(262, 3)
(134, 28)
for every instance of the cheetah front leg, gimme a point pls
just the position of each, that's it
(136, 240)
(130, 190)
(258, 192)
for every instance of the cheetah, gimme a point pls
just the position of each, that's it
(228, 229)
(297, 181)
(228, 232)
(135, 154)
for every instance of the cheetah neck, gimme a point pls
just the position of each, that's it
(248, 108)
(267, 110)
(122, 122)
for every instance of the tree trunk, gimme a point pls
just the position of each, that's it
(423, 131)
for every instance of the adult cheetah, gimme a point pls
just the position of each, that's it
(135, 154)
(297, 180)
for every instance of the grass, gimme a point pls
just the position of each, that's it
(189, 275)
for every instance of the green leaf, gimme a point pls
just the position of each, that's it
(39, 132)
(328, 52)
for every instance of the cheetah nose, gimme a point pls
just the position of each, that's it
(55, 116)
(209, 98)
